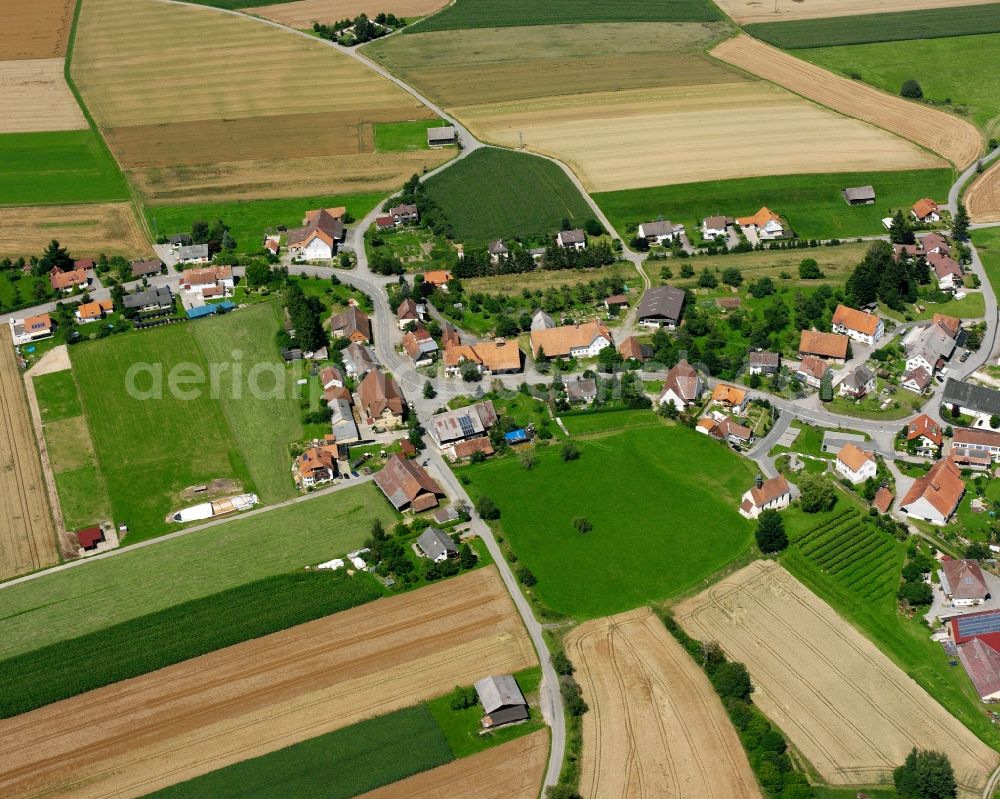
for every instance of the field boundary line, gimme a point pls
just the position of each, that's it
(55, 506)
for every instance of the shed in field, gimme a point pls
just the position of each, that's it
(502, 701)
(859, 195)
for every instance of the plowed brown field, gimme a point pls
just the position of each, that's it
(744, 11)
(27, 533)
(142, 734)
(955, 139)
(846, 707)
(982, 200)
(35, 97)
(656, 727)
(111, 228)
(511, 771)
(303, 13)
(35, 28)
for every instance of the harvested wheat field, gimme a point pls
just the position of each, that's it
(111, 228)
(27, 534)
(34, 96)
(744, 11)
(35, 28)
(656, 726)
(955, 139)
(844, 705)
(303, 13)
(511, 771)
(683, 134)
(982, 200)
(142, 734)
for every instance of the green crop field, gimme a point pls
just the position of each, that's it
(857, 571)
(178, 633)
(508, 13)
(338, 765)
(496, 193)
(647, 490)
(812, 204)
(987, 243)
(249, 220)
(54, 167)
(135, 583)
(930, 23)
(943, 68)
(394, 137)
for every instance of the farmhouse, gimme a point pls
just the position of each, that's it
(403, 214)
(322, 230)
(811, 370)
(972, 400)
(408, 311)
(440, 137)
(437, 545)
(438, 278)
(730, 397)
(947, 270)
(764, 225)
(89, 538)
(660, 306)
(381, 400)
(581, 390)
(584, 340)
(632, 350)
(683, 386)
(859, 195)
(934, 242)
(420, 346)
(772, 494)
(829, 346)
(716, 227)
(498, 356)
(407, 485)
(935, 496)
(949, 324)
(883, 500)
(963, 583)
(927, 433)
(916, 379)
(353, 324)
(31, 328)
(192, 254)
(384, 223)
(497, 250)
(659, 232)
(855, 464)
(150, 300)
(984, 442)
(725, 429)
(502, 701)
(928, 347)
(472, 421)
(316, 465)
(331, 377)
(92, 311)
(466, 449)
(342, 424)
(212, 281)
(359, 360)
(147, 268)
(858, 383)
(863, 327)
(574, 239)
(763, 362)
(926, 210)
(67, 281)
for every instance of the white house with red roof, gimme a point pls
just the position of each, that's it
(773, 494)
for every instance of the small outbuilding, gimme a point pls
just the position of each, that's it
(440, 137)
(502, 701)
(859, 195)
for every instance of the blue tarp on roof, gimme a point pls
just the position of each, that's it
(208, 310)
(516, 436)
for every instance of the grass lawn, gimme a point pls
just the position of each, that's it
(507, 13)
(903, 404)
(397, 137)
(971, 306)
(941, 66)
(812, 204)
(543, 279)
(248, 220)
(57, 396)
(987, 243)
(496, 193)
(645, 489)
(860, 29)
(69, 166)
(338, 765)
(810, 440)
(22, 291)
(46, 610)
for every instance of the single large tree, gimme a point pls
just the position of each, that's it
(900, 231)
(55, 257)
(960, 223)
(925, 775)
(816, 493)
(771, 535)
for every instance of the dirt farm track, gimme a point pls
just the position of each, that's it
(265, 694)
(27, 534)
(656, 727)
(851, 712)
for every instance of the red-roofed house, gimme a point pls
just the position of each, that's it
(963, 583)
(927, 433)
(858, 325)
(883, 500)
(89, 537)
(935, 496)
(67, 281)
(855, 464)
(926, 210)
(772, 494)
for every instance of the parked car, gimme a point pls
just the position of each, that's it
(965, 356)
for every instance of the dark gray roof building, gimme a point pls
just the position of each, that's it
(437, 545)
(153, 298)
(859, 195)
(977, 399)
(661, 305)
(502, 700)
(444, 135)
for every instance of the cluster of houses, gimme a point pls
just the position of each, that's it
(935, 249)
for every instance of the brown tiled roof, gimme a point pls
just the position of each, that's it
(769, 491)
(405, 482)
(853, 457)
(853, 319)
(683, 380)
(616, 299)
(322, 223)
(759, 219)
(982, 664)
(497, 355)
(378, 392)
(316, 459)
(465, 449)
(96, 309)
(33, 324)
(934, 241)
(558, 341)
(811, 365)
(65, 280)
(730, 395)
(944, 265)
(965, 436)
(149, 267)
(206, 276)
(923, 425)
(883, 500)
(437, 277)
(924, 207)
(331, 374)
(352, 320)
(965, 578)
(942, 487)
(920, 376)
(948, 323)
(632, 348)
(826, 345)
(763, 358)
(334, 393)
(407, 310)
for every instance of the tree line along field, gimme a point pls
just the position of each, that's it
(646, 544)
(89, 228)
(223, 126)
(266, 694)
(812, 204)
(303, 13)
(910, 21)
(494, 193)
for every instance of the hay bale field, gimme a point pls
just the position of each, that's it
(256, 106)
(851, 712)
(111, 228)
(27, 534)
(656, 726)
(510, 771)
(35, 97)
(265, 694)
(953, 138)
(983, 197)
(35, 28)
(744, 11)
(303, 13)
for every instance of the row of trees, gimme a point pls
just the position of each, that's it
(478, 263)
(306, 314)
(359, 30)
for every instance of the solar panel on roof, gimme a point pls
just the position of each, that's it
(978, 625)
(467, 427)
